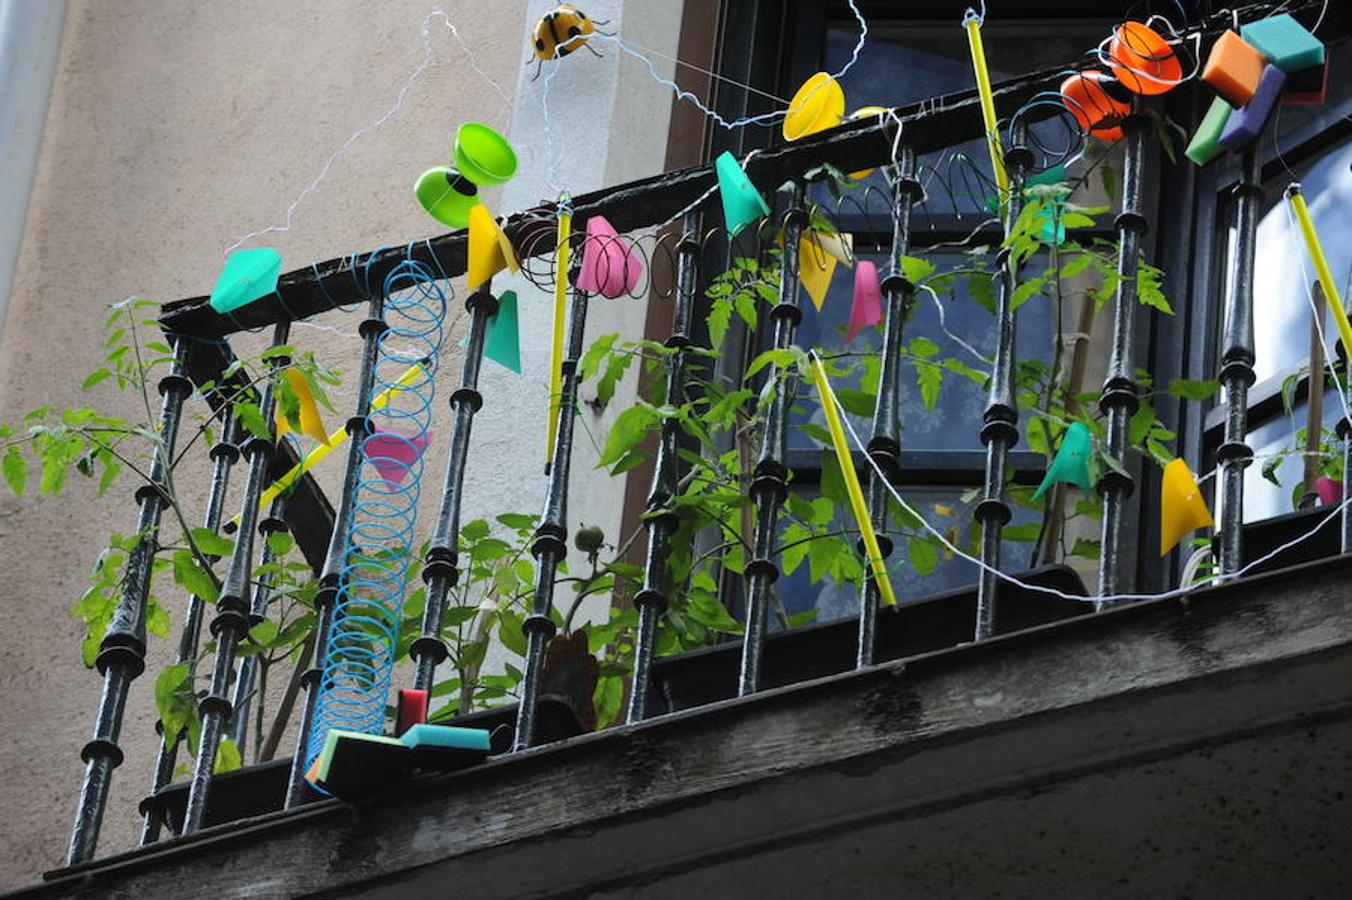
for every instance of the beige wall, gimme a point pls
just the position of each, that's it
(175, 127)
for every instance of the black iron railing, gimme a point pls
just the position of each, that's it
(200, 337)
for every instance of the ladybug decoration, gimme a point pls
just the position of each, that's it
(560, 32)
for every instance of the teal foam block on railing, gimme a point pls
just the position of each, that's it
(444, 748)
(1206, 143)
(1285, 42)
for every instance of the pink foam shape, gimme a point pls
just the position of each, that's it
(393, 454)
(1330, 490)
(866, 310)
(608, 266)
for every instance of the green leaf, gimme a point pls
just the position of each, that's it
(517, 521)
(630, 428)
(189, 575)
(720, 317)
(615, 369)
(780, 358)
(856, 403)
(1026, 291)
(607, 698)
(227, 757)
(705, 609)
(1149, 288)
(930, 378)
(473, 530)
(510, 633)
(157, 619)
(1193, 390)
(924, 555)
(916, 269)
(15, 470)
(95, 377)
(252, 419)
(490, 548)
(211, 543)
(280, 543)
(1021, 533)
(1086, 548)
(924, 348)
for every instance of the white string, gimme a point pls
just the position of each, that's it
(379, 123)
(1042, 589)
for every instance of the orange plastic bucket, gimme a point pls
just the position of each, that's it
(1097, 111)
(1143, 60)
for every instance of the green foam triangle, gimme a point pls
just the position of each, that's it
(1071, 464)
(502, 344)
(246, 276)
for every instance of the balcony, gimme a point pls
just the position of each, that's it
(1126, 705)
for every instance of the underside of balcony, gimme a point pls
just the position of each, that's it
(1196, 746)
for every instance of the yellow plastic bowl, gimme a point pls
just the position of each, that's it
(818, 105)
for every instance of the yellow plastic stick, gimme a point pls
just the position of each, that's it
(1321, 265)
(983, 85)
(560, 311)
(314, 456)
(875, 554)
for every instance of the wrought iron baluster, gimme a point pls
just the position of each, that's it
(123, 648)
(441, 571)
(650, 600)
(273, 523)
(1001, 429)
(358, 428)
(884, 445)
(223, 455)
(1237, 357)
(550, 544)
(231, 622)
(769, 485)
(1120, 391)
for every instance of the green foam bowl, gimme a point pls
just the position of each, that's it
(482, 155)
(447, 196)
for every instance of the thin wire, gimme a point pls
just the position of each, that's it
(1042, 589)
(379, 123)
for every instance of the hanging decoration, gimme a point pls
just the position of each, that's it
(307, 417)
(556, 345)
(561, 31)
(972, 22)
(502, 343)
(1233, 68)
(1182, 509)
(489, 249)
(866, 309)
(1206, 142)
(742, 203)
(483, 156)
(815, 268)
(856, 494)
(1332, 295)
(446, 195)
(818, 105)
(1289, 45)
(609, 267)
(393, 453)
(1071, 463)
(1330, 490)
(247, 276)
(1142, 60)
(1244, 124)
(1091, 100)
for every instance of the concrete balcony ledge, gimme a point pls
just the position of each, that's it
(1195, 747)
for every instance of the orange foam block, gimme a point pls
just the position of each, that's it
(1234, 68)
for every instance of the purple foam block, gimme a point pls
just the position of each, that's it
(1245, 123)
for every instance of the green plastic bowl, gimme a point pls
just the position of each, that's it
(483, 156)
(447, 196)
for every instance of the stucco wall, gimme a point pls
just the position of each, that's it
(176, 127)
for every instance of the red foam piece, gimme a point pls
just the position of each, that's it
(412, 710)
(1309, 87)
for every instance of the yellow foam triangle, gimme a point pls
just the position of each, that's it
(489, 250)
(815, 268)
(310, 422)
(1182, 509)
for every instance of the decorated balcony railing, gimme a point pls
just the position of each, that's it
(671, 227)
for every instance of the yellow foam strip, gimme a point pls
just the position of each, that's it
(314, 456)
(983, 86)
(875, 554)
(560, 311)
(1321, 267)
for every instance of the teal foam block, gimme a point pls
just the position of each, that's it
(443, 748)
(1284, 41)
(1206, 143)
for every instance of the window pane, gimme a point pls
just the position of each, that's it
(1282, 270)
(1262, 498)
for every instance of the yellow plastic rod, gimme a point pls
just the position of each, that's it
(560, 311)
(1321, 264)
(983, 85)
(875, 554)
(314, 456)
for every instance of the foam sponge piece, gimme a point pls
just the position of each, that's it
(1206, 142)
(353, 764)
(1234, 68)
(1308, 87)
(1285, 41)
(443, 748)
(1244, 124)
